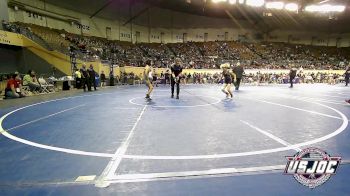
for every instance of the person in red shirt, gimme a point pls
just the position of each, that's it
(13, 87)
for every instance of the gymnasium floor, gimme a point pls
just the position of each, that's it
(114, 142)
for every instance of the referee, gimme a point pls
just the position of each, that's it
(292, 75)
(238, 71)
(176, 70)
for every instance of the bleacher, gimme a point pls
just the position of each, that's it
(50, 36)
(195, 55)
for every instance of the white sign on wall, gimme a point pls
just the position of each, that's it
(84, 26)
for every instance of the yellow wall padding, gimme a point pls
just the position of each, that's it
(9, 38)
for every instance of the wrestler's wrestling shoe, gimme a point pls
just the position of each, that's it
(148, 97)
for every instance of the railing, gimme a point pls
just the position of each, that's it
(32, 36)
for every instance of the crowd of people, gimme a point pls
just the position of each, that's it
(264, 78)
(253, 78)
(278, 55)
(18, 85)
(23, 85)
(210, 55)
(26, 30)
(88, 79)
(205, 55)
(284, 78)
(15, 28)
(193, 55)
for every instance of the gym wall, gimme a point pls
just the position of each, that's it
(158, 25)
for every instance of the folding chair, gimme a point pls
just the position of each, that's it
(25, 89)
(46, 87)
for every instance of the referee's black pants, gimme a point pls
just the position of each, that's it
(238, 83)
(291, 78)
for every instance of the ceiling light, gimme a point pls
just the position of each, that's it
(232, 1)
(339, 8)
(218, 1)
(293, 7)
(274, 5)
(255, 3)
(325, 8)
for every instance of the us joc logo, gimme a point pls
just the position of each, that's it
(312, 167)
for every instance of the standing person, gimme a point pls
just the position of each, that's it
(92, 76)
(227, 80)
(347, 75)
(103, 79)
(167, 77)
(176, 70)
(188, 77)
(154, 79)
(292, 74)
(238, 71)
(85, 78)
(13, 87)
(77, 79)
(111, 79)
(147, 76)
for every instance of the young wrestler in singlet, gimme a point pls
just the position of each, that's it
(148, 76)
(228, 77)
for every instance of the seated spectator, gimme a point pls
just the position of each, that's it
(30, 80)
(103, 79)
(13, 87)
